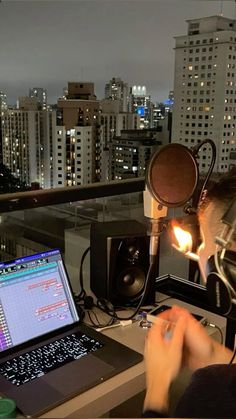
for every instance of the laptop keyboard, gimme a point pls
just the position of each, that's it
(40, 361)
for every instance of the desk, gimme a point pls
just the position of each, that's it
(120, 388)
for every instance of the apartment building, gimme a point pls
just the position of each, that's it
(112, 121)
(205, 89)
(77, 141)
(27, 147)
(140, 103)
(118, 90)
(3, 109)
(40, 94)
(131, 151)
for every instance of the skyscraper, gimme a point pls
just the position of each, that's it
(77, 140)
(27, 142)
(142, 105)
(112, 121)
(41, 95)
(205, 89)
(3, 109)
(116, 89)
(131, 151)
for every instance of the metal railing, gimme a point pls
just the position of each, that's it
(44, 197)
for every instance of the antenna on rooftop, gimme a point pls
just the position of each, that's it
(221, 8)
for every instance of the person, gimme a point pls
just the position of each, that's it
(212, 388)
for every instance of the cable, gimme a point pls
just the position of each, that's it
(98, 324)
(195, 151)
(234, 353)
(207, 323)
(82, 293)
(114, 314)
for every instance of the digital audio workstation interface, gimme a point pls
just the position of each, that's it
(34, 298)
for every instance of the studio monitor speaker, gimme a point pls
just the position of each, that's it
(119, 262)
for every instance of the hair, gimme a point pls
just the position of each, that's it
(221, 193)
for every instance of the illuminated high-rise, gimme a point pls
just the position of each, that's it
(77, 140)
(118, 90)
(205, 89)
(41, 95)
(27, 134)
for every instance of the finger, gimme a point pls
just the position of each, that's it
(157, 331)
(178, 333)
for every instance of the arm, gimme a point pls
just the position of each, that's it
(199, 349)
(163, 357)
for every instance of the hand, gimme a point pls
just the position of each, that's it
(199, 350)
(163, 358)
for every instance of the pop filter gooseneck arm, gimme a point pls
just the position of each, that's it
(195, 151)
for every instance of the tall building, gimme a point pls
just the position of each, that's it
(3, 109)
(40, 94)
(205, 89)
(77, 140)
(28, 142)
(112, 122)
(116, 89)
(141, 104)
(131, 151)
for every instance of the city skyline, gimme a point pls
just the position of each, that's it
(49, 43)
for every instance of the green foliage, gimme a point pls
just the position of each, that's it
(8, 182)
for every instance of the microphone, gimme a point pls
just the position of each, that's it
(171, 179)
(154, 213)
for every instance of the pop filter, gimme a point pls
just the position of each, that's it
(172, 175)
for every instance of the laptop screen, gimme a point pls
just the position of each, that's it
(35, 298)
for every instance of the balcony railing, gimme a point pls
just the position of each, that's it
(43, 197)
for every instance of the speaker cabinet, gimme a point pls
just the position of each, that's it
(119, 262)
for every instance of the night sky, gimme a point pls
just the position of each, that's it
(45, 43)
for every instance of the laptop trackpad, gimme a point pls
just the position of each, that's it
(79, 375)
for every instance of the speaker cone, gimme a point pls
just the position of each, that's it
(130, 282)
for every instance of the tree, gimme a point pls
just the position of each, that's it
(8, 182)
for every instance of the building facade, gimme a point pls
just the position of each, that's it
(205, 89)
(28, 142)
(3, 109)
(112, 122)
(131, 152)
(141, 104)
(118, 90)
(76, 148)
(40, 94)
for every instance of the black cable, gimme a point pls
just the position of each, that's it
(195, 151)
(98, 324)
(82, 293)
(114, 314)
(230, 362)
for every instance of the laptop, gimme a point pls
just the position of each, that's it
(47, 355)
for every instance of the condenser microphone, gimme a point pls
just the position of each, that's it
(172, 175)
(154, 213)
(171, 179)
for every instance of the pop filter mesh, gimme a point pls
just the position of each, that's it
(172, 175)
